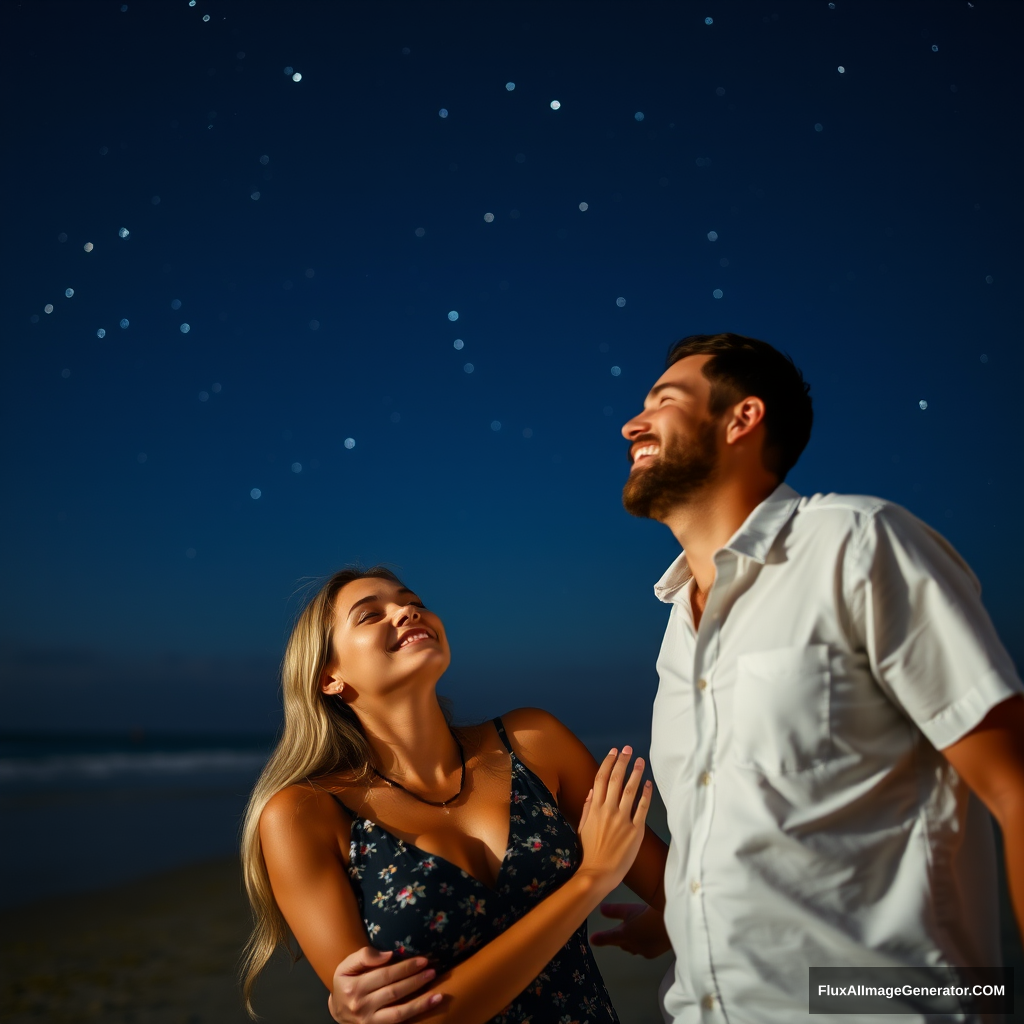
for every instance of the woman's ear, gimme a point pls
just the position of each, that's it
(331, 683)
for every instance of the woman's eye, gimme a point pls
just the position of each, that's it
(367, 615)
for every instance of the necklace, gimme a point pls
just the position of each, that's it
(424, 800)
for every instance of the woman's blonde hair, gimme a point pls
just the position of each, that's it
(321, 735)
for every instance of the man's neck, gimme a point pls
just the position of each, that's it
(705, 522)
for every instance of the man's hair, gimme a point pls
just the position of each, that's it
(742, 367)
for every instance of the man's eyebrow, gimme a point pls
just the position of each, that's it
(374, 597)
(669, 384)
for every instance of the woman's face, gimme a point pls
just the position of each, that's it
(383, 636)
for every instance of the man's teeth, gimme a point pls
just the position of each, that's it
(647, 449)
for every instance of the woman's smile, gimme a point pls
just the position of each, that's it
(413, 636)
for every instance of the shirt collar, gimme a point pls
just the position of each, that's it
(753, 539)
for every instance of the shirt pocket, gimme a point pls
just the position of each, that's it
(781, 709)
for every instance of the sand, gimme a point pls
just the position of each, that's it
(164, 950)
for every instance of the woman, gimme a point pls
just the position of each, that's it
(452, 853)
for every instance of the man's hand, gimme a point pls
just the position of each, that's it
(642, 931)
(368, 989)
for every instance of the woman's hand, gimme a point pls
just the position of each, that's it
(368, 989)
(642, 931)
(610, 830)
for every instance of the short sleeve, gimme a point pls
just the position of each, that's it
(916, 607)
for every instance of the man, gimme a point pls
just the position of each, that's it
(832, 700)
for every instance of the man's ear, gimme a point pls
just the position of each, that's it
(744, 419)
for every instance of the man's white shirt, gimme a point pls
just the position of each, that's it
(795, 742)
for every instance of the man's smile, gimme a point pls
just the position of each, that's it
(644, 451)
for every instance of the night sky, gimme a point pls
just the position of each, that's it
(430, 257)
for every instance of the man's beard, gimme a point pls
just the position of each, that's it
(674, 475)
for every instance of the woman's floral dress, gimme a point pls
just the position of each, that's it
(420, 904)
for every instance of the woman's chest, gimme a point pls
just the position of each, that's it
(488, 846)
(472, 833)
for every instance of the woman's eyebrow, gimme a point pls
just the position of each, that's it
(364, 600)
(375, 597)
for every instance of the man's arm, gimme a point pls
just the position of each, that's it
(990, 759)
(915, 608)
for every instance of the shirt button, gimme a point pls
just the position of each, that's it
(705, 778)
(694, 886)
(708, 1002)
(702, 684)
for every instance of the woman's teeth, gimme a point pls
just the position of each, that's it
(412, 638)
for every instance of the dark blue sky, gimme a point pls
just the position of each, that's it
(319, 233)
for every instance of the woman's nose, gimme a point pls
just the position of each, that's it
(407, 613)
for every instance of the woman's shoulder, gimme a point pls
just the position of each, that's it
(538, 737)
(303, 829)
(553, 752)
(534, 726)
(306, 805)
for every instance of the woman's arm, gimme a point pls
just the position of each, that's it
(303, 831)
(567, 768)
(611, 832)
(554, 753)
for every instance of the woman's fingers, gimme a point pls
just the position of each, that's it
(366, 985)
(618, 773)
(363, 959)
(632, 785)
(585, 813)
(393, 1014)
(604, 771)
(398, 990)
(406, 1011)
(367, 970)
(643, 805)
(612, 783)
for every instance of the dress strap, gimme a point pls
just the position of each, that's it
(352, 814)
(502, 734)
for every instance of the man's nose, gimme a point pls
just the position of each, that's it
(634, 427)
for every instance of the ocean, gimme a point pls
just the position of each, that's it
(86, 812)
(81, 812)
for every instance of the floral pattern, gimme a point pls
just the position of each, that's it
(420, 904)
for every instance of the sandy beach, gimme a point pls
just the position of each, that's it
(164, 950)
